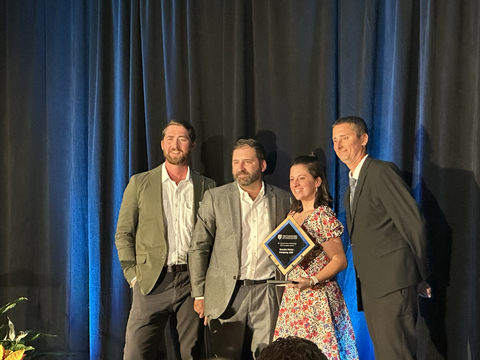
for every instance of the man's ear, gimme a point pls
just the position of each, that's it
(264, 165)
(364, 139)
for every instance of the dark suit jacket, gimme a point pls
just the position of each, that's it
(140, 238)
(386, 229)
(214, 255)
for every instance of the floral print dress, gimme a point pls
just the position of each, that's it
(319, 314)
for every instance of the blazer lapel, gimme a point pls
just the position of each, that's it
(198, 185)
(359, 187)
(233, 198)
(155, 186)
(272, 206)
(274, 218)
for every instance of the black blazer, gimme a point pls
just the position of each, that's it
(387, 230)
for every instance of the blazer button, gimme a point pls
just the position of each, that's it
(234, 278)
(353, 244)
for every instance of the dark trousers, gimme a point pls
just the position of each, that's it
(391, 322)
(247, 325)
(151, 313)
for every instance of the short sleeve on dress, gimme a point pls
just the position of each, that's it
(324, 224)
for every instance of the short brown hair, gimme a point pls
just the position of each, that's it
(259, 150)
(359, 125)
(185, 124)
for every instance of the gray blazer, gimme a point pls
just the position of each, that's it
(214, 255)
(140, 238)
(387, 230)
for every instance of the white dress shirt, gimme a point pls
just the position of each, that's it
(178, 216)
(254, 262)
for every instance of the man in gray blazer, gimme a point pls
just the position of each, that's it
(228, 267)
(388, 240)
(154, 230)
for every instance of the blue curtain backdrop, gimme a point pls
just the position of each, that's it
(87, 86)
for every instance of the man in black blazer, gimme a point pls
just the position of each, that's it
(388, 240)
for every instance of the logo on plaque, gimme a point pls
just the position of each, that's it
(287, 245)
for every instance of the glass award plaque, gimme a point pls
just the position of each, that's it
(287, 245)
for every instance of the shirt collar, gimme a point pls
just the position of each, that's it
(356, 172)
(244, 194)
(166, 177)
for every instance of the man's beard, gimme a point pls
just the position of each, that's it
(176, 159)
(250, 179)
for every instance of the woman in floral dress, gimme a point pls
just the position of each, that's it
(314, 308)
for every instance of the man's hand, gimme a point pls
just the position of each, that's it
(424, 290)
(199, 307)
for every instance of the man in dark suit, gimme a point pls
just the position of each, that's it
(154, 230)
(228, 266)
(388, 240)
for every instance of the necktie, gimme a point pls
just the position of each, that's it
(352, 182)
